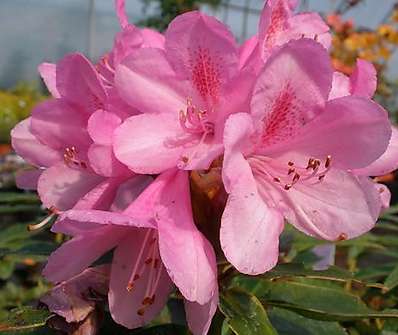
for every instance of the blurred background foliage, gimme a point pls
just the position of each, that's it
(167, 10)
(357, 296)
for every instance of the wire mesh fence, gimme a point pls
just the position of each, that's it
(38, 30)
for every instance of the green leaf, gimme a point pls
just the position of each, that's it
(392, 280)
(7, 266)
(17, 197)
(245, 314)
(16, 232)
(289, 323)
(322, 300)
(24, 319)
(299, 270)
(19, 208)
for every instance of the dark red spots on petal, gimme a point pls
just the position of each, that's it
(285, 118)
(206, 72)
(277, 24)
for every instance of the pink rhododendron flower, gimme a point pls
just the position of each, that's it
(156, 243)
(279, 25)
(130, 39)
(184, 93)
(363, 83)
(291, 158)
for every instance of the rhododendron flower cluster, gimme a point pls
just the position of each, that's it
(114, 149)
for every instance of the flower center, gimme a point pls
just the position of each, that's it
(71, 160)
(315, 171)
(195, 121)
(148, 259)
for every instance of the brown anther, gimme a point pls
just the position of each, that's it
(185, 159)
(141, 311)
(310, 163)
(290, 163)
(83, 165)
(130, 287)
(291, 171)
(296, 178)
(136, 277)
(328, 161)
(342, 237)
(277, 180)
(147, 301)
(316, 37)
(288, 187)
(148, 261)
(321, 177)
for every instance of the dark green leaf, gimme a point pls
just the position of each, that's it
(322, 300)
(17, 197)
(299, 270)
(290, 323)
(392, 279)
(245, 314)
(24, 319)
(7, 266)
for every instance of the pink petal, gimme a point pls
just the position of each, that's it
(353, 131)
(103, 161)
(126, 42)
(147, 74)
(364, 79)
(71, 299)
(385, 196)
(78, 82)
(202, 50)
(97, 207)
(121, 13)
(326, 254)
(47, 72)
(129, 191)
(246, 51)
(100, 197)
(291, 90)
(311, 25)
(387, 163)
(123, 304)
(188, 257)
(152, 38)
(341, 86)
(338, 208)
(150, 143)
(199, 317)
(30, 148)
(143, 208)
(101, 126)
(57, 124)
(76, 255)
(250, 229)
(61, 187)
(239, 129)
(28, 179)
(273, 21)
